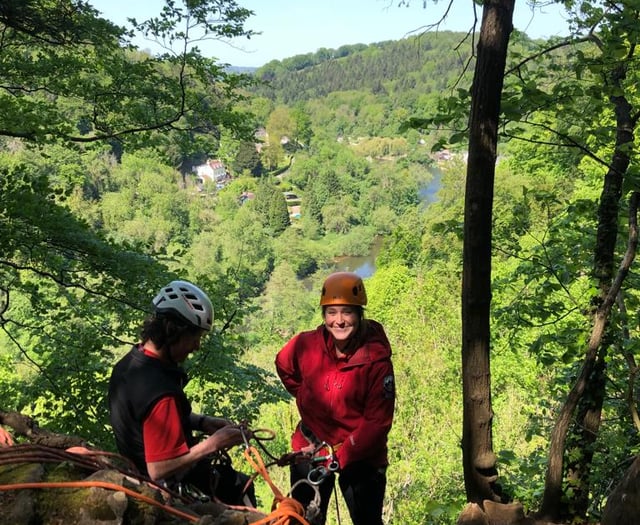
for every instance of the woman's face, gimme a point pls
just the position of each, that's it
(342, 322)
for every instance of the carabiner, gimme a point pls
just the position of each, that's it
(320, 446)
(192, 492)
(318, 475)
(244, 430)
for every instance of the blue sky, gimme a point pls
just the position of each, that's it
(292, 27)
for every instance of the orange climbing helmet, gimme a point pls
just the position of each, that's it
(343, 288)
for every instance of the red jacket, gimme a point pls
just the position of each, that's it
(344, 401)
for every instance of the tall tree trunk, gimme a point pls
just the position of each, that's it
(581, 444)
(479, 461)
(604, 256)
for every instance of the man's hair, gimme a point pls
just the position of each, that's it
(165, 329)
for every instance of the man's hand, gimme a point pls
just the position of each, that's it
(223, 439)
(211, 425)
(5, 438)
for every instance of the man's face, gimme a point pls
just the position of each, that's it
(185, 346)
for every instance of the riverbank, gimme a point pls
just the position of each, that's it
(365, 265)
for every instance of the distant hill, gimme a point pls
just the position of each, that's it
(372, 90)
(428, 62)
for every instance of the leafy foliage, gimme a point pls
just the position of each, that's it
(89, 231)
(68, 294)
(272, 208)
(76, 236)
(80, 85)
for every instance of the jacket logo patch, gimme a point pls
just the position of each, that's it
(388, 387)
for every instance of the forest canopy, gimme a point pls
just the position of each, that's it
(99, 206)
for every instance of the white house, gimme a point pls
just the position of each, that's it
(213, 171)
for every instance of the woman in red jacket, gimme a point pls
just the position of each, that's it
(342, 378)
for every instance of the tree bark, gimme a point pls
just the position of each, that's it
(604, 254)
(479, 461)
(582, 439)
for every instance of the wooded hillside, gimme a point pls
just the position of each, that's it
(99, 206)
(398, 70)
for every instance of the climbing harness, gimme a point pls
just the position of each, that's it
(318, 474)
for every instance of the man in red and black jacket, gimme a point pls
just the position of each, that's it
(150, 413)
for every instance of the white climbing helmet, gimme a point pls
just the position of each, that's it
(187, 301)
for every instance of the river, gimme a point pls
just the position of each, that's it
(365, 265)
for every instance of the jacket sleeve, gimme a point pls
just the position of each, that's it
(369, 439)
(287, 366)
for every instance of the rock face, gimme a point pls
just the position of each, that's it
(623, 504)
(40, 484)
(56, 479)
(472, 514)
(494, 514)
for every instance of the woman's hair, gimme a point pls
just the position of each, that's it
(358, 338)
(165, 329)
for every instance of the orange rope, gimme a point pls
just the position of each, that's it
(286, 511)
(258, 465)
(104, 485)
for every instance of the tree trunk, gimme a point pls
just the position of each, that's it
(479, 461)
(606, 238)
(583, 438)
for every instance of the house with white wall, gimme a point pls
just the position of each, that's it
(213, 171)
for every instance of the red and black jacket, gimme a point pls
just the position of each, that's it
(137, 383)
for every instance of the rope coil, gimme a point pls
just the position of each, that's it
(284, 511)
